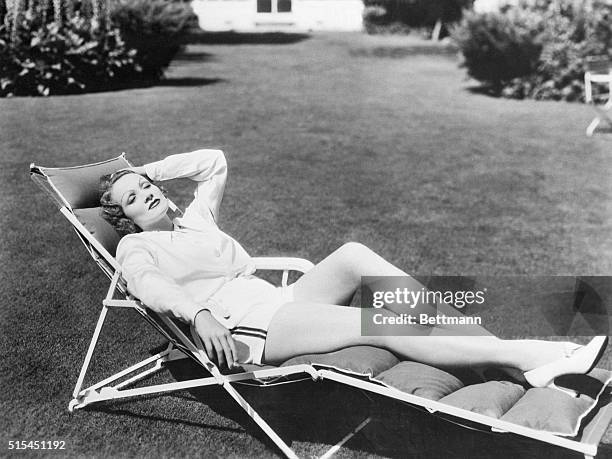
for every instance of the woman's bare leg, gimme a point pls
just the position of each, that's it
(306, 327)
(335, 279)
(312, 327)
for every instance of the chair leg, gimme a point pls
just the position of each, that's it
(104, 390)
(591, 128)
(286, 449)
(90, 351)
(603, 114)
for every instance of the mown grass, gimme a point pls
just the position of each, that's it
(333, 138)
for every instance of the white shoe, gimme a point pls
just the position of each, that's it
(580, 361)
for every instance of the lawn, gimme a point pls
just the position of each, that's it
(331, 138)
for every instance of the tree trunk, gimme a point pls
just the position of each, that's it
(435, 34)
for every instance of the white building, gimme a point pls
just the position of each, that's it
(487, 6)
(279, 15)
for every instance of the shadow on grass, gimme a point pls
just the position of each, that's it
(398, 52)
(603, 129)
(187, 56)
(255, 38)
(168, 82)
(116, 411)
(484, 90)
(604, 451)
(187, 81)
(144, 84)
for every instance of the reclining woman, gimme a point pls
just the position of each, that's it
(190, 270)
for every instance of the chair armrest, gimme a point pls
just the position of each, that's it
(282, 263)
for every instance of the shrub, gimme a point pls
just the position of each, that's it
(38, 58)
(571, 34)
(157, 29)
(68, 46)
(498, 47)
(540, 47)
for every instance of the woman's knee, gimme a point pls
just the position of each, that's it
(357, 255)
(354, 250)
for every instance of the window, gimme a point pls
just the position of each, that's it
(264, 6)
(274, 6)
(284, 6)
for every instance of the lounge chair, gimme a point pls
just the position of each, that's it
(599, 71)
(576, 423)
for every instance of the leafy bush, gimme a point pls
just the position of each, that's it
(69, 46)
(38, 58)
(498, 47)
(540, 47)
(571, 34)
(155, 28)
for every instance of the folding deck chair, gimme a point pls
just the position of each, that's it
(75, 190)
(599, 71)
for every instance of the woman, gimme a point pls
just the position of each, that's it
(189, 269)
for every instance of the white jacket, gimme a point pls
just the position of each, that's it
(176, 272)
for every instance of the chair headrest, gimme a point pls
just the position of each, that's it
(80, 185)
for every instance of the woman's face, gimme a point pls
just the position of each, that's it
(141, 201)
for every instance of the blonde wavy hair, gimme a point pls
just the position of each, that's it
(113, 212)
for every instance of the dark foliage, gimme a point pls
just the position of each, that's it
(46, 58)
(538, 50)
(156, 29)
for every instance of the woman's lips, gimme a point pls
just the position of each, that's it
(154, 203)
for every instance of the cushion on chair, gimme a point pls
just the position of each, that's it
(99, 228)
(420, 379)
(365, 360)
(492, 398)
(546, 409)
(557, 412)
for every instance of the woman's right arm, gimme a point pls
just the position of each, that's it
(163, 295)
(207, 167)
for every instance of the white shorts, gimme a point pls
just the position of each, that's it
(262, 300)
